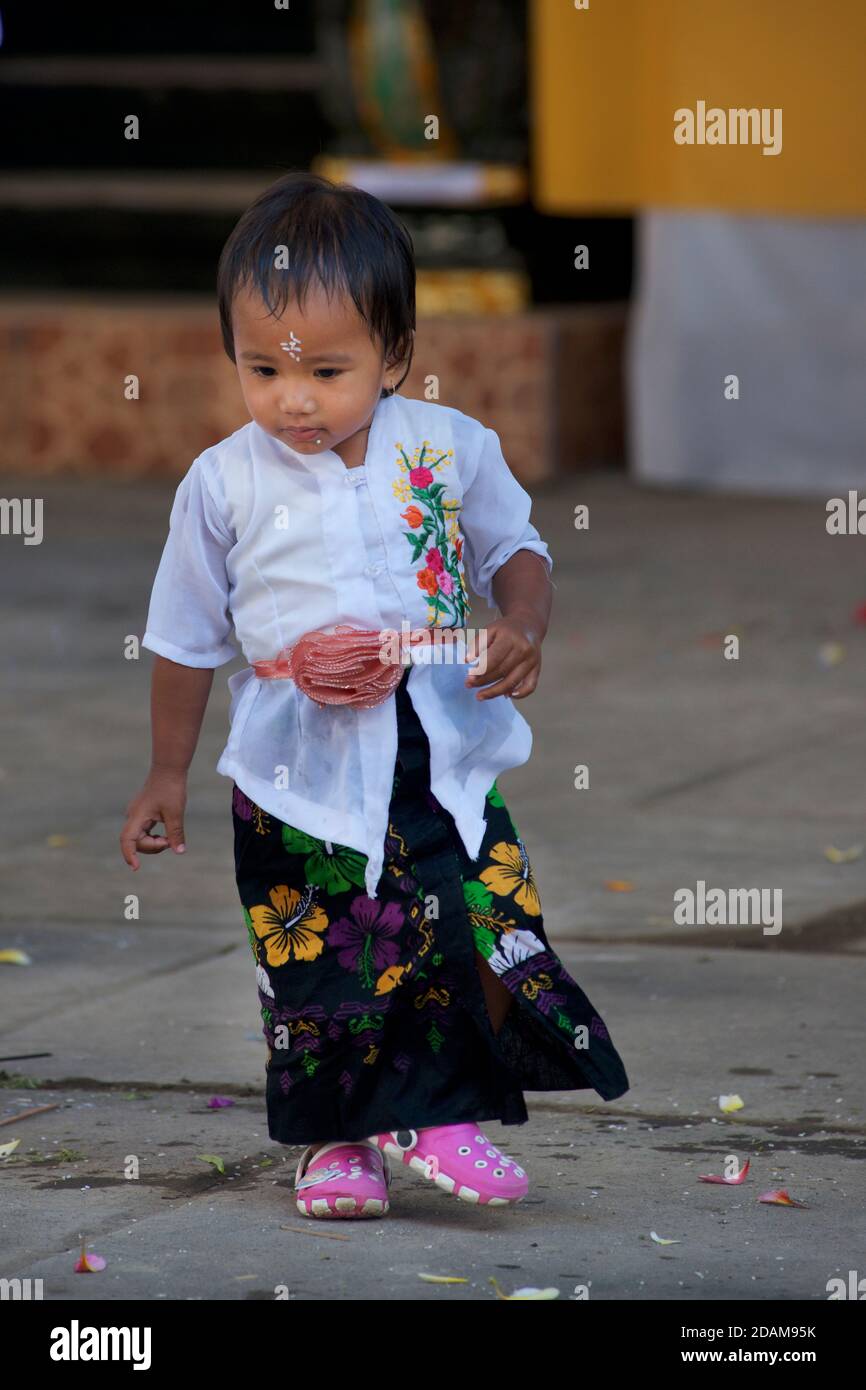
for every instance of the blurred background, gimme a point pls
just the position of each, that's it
(669, 335)
(587, 285)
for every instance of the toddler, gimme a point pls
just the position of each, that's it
(407, 987)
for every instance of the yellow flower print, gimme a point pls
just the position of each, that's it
(514, 876)
(289, 928)
(401, 490)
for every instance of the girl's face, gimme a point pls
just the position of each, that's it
(310, 377)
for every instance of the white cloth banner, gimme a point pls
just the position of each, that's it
(780, 304)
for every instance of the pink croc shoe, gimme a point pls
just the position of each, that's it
(460, 1159)
(343, 1179)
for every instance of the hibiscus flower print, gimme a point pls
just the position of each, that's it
(485, 921)
(289, 927)
(511, 875)
(512, 948)
(331, 867)
(364, 939)
(502, 944)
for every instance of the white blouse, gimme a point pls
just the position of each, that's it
(275, 544)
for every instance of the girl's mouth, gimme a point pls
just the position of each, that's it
(302, 433)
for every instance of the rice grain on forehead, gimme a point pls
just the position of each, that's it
(305, 231)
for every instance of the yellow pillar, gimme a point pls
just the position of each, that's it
(607, 80)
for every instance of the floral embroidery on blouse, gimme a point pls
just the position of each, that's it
(433, 533)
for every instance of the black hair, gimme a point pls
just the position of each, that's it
(346, 238)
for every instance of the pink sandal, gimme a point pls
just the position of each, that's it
(460, 1159)
(343, 1179)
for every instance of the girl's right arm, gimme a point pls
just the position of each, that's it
(178, 699)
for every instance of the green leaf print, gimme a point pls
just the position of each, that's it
(478, 897)
(297, 842)
(332, 867)
(494, 796)
(251, 933)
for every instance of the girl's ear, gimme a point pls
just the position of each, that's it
(403, 359)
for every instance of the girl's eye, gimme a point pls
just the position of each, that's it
(326, 373)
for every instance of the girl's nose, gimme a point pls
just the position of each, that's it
(296, 400)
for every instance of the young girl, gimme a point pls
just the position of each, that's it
(407, 987)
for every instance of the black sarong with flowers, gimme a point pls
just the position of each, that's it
(374, 1011)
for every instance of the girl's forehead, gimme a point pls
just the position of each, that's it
(322, 317)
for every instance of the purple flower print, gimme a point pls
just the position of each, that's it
(365, 941)
(241, 805)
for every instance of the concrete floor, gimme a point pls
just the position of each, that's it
(739, 773)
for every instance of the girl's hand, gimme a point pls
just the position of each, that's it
(513, 660)
(161, 799)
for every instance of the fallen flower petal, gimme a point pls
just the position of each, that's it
(730, 1103)
(443, 1279)
(619, 885)
(660, 1240)
(7, 1149)
(13, 957)
(779, 1198)
(523, 1294)
(219, 1102)
(88, 1263)
(843, 856)
(741, 1176)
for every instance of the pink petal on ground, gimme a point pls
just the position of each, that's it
(729, 1182)
(779, 1198)
(88, 1263)
(219, 1102)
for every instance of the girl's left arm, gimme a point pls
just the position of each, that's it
(523, 593)
(507, 564)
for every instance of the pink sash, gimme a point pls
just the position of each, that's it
(339, 668)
